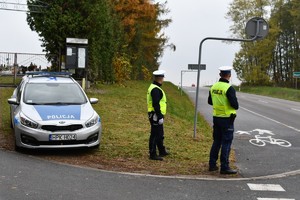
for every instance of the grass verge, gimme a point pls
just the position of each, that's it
(276, 92)
(126, 130)
(124, 145)
(9, 80)
(6, 139)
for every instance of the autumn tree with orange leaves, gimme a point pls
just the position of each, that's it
(144, 40)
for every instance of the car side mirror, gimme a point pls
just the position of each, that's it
(93, 100)
(13, 101)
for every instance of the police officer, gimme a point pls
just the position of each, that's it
(222, 97)
(157, 108)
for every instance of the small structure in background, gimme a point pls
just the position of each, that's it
(76, 58)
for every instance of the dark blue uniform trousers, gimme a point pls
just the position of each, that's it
(156, 136)
(223, 136)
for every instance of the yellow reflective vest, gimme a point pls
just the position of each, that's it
(221, 104)
(162, 102)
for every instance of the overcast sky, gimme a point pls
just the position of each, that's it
(193, 20)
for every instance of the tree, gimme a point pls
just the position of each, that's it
(143, 38)
(89, 19)
(286, 52)
(295, 12)
(251, 62)
(117, 30)
(274, 59)
(106, 39)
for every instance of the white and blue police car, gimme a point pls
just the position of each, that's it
(51, 110)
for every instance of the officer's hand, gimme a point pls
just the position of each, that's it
(161, 121)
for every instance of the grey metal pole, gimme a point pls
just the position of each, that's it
(182, 71)
(199, 63)
(197, 89)
(15, 68)
(181, 84)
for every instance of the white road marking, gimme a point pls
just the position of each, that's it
(273, 120)
(273, 199)
(263, 101)
(266, 187)
(243, 132)
(191, 91)
(295, 109)
(262, 131)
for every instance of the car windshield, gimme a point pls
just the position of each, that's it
(53, 93)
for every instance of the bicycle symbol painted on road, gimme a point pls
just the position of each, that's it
(261, 141)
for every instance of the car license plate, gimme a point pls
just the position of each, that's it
(55, 137)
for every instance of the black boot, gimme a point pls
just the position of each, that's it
(228, 171)
(163, 152)
(155, 157)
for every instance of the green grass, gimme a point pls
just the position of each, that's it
(126, 131)
(277, 92)
(4, 110)
(126, 128)
(9, 80)
(6, 136)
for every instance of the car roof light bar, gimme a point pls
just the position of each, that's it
(54, 74)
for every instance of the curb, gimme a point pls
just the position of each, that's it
(180, 177)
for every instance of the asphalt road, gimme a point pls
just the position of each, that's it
(26, 177)
(23, 177)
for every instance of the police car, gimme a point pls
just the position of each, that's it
(51, 110)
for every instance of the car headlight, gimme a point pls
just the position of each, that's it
(93, 121)
(27, 122)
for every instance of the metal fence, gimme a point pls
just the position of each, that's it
(14, 65)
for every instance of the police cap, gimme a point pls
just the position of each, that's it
(225, 69)
(159, 73)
